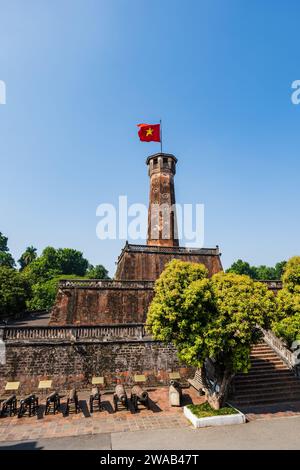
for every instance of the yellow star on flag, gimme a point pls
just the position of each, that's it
(149, 131)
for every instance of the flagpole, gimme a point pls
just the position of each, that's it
(160, 136)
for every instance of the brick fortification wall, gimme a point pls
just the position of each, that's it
(73, 363)
(147, 262)
(90, 302)
(126, 298)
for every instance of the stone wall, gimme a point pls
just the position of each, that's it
(147, 262)
(74, 363)
(92, 302)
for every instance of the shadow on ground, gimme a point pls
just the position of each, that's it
(29, 445)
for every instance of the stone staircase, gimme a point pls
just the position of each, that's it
(268, 381)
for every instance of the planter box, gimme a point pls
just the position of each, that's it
(238, 418)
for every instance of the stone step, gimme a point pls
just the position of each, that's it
(264, 348)
(270, 374)
(262, 353)
(265, 354)
(261, 361)
(269, 380)
(265, 391)
(261, 369)
(265, 357)
(265, 400)
(258, 364)
(265, 383)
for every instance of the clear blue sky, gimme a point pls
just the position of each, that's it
(81, 74)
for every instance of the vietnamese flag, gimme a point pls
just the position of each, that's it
(149, 132)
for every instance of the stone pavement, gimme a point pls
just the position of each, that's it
(276, 434)
(31, 319)
(124, 423)
(160, 416)
(276, 410)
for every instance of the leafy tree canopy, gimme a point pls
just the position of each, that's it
(97, 272)
(6, 258)
(36, 283)
(291, 276)
(287, 322)
(29, 255)
(241, 267)
(241, 305)
(44, 293)
(53, 262)
(3, 242)
(260, 273)
(14, 291)
(211, 319)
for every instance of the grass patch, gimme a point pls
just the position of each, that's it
(205, 410)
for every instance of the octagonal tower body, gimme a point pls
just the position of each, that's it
(162, 224)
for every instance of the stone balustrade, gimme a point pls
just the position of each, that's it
(171, 249)
(279, 347)
(129, 332)
(273, 285)
(104, 284)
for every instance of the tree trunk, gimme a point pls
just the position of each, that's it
(216, 385)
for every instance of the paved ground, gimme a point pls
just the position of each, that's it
(161, 427)
(276, 410)
(283, 433)
(31, 319)
(160, 416)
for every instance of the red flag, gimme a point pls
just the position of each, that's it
(149, 132)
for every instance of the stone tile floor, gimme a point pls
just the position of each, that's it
(160, 416)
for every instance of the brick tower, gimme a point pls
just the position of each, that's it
(162, 226)
(125, 299)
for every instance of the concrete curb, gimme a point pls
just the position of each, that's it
(238, 418)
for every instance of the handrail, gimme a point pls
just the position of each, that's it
(279, 347)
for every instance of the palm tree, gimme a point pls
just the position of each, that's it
(29, 255)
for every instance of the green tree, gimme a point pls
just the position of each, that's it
(44, 293)
(279, 269)
(291, 275)
(242, 267)
(29, 255)
(42, 269)
(14, 291)
(211, 322)
(97, 272)
(287, 322)
(264, 273)
(260, 273)
(6, 258)
(71, 261)
(3, 242)
(288, 328)
(53, 262)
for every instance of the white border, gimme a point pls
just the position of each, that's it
(222, 420)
